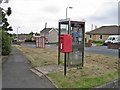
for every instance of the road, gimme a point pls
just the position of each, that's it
(17, 74)
(97, 50)
(102, 50)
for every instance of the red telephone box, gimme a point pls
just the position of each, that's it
(40, 41)
(65, 43)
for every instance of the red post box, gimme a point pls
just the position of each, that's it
(65, 43)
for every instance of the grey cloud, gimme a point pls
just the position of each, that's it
(51, 9)
(4, 1)
(119, 12)
(109, 16)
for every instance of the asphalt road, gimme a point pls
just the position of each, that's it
(17, 74)
(98, 50)
(102, 50)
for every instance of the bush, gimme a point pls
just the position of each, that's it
(98, 42)
(6, 43)
(30, 40)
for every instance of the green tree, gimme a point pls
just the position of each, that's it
(4, 35)
(31, 34)
(6, 26)
(6, 43)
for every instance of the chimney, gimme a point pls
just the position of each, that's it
(95, 26)
(46, 25)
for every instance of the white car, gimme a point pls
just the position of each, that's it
(113, 39)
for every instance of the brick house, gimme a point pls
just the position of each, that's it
(102, 33)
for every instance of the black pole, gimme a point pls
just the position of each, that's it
(59, 43)
(83, 44)
(65, 65)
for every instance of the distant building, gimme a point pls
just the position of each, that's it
(51, 35)
(22, 37)
(102, 33)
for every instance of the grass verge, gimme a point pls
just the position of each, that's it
(75, 80)
(38, 56)
(97, 70)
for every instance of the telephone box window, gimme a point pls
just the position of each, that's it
(90, 36)
(100, 36)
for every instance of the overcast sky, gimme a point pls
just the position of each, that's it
(31, 15)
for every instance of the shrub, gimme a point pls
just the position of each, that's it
(6, 43)
(30, 40)
(98, 42)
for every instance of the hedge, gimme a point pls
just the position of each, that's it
(6, 43)
(100, 42)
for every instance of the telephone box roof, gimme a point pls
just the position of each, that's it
(73, 20)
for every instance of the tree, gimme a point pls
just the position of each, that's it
(6, 43)
(37, 34)
(5, 23)
(6, 39)
(31, 33)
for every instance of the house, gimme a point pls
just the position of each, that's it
(24, 38)
(51, 34)
(21, 37)
(102, 33)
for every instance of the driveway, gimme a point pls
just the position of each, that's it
(17, 74)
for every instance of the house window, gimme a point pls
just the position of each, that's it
(90, 36)
(100, 36)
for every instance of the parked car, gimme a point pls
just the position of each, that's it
(113, 39)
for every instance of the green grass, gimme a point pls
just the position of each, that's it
(70, 81)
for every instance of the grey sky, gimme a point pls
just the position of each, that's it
(119, 13)
(107, 16)
(31, 15)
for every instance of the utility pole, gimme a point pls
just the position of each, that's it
(45, 31)
(45, 28)
(17, 34)
(91, 27)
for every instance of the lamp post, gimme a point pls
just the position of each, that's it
(67, 9)
(17, 33)
(65, 55)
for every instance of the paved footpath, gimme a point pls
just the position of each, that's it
(17, 73)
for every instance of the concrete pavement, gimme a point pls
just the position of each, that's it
(17, 74)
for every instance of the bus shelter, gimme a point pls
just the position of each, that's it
(77, 30)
